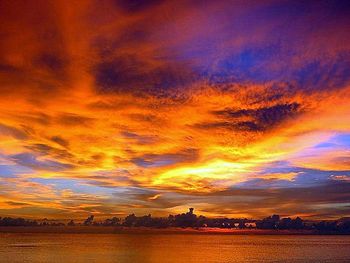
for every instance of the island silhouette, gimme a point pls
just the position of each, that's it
(190, 220)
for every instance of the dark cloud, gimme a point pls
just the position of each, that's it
(59, 140)
(133, 34)
(111, 181)
(11, 203)
(51, 62)
(130, 74)
(253, 120)
(316, 74)
(215, 125)
(150, 118)
(149, 198)
(70, 119)
(34, 117)
(40, 49)
(109, 105)
(47, 150)
(135, 193)
(139, 139)
(260, 113)
(324, 74)
(31, 161)
(158, 160)
(7, 68)
(274, 93)
(328, 192)
(131, 6)
(317, 201)
(266, 116)
(14, 132)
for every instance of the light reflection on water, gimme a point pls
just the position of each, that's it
(171, 248)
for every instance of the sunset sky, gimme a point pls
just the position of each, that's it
(235, 108)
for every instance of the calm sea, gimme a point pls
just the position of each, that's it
(171, 248)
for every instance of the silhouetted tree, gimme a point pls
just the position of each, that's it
(344, 225)
(144, 221)
(130, 220)
(241, 224)
(201, 221)
(111, 222)
(89, 220)
(285, 223)
(186, 220)
(297, 223)
(8, 221)
(326, 226)
(270, 222)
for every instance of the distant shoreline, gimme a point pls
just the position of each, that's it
(145, 230)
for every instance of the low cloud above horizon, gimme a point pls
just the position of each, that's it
(236, 108)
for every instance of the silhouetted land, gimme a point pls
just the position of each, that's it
(184, 223)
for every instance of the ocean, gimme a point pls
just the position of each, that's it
(159, 248)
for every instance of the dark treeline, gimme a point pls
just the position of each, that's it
(275, 222)
(9, 221)
(190, 219)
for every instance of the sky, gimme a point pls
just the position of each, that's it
(236, 108)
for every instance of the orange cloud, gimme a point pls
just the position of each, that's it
(167, 97)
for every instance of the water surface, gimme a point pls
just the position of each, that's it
(158, 248)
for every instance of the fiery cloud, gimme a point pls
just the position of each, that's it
(113, 107)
